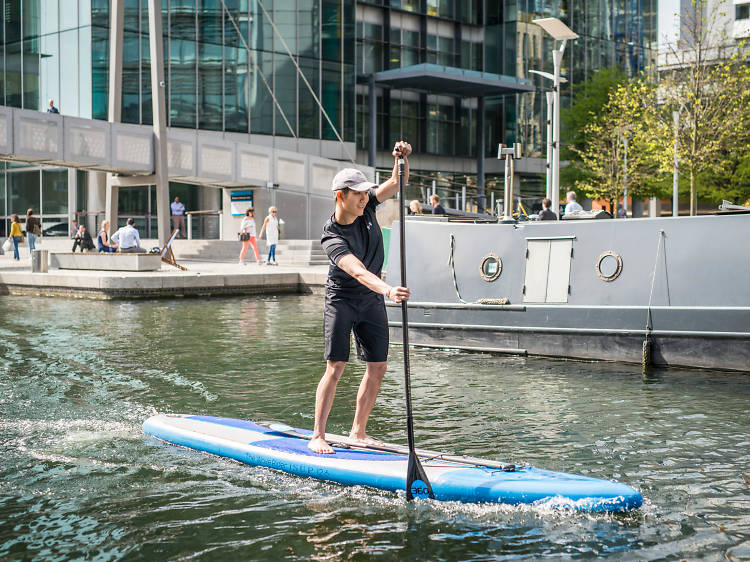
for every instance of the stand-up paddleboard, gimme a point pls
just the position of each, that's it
(453, 478)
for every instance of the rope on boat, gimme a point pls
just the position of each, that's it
(646, 351)
(452, 264)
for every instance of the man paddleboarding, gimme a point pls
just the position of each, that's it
(354, 295)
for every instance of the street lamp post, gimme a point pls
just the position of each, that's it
(560, 32)
(675, 170)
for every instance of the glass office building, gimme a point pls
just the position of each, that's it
(222, 66)
(494, 36)
(59, 49)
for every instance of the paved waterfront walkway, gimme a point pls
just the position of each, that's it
(202, 278)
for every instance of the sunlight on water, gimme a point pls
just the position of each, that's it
(79, 479)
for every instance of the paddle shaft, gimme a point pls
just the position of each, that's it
(404, 308)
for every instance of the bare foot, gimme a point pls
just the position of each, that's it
(364, 440)
(319, 445)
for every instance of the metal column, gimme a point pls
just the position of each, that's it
(675, 170)
(480, 154)
(550, 142)
(72, 195)
(158, 105)
(116, 27)
(557, 60)
(373, 122)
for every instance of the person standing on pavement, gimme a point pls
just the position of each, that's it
(178, 217)
(247, 236)
(33, 229)
(353, 241)
(271, 228)
(16, 235)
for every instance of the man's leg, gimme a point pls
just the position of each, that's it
(366, 396)
(323, 401)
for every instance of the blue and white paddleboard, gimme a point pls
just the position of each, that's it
(453, 478)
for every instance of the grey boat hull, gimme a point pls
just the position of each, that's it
(688, 279)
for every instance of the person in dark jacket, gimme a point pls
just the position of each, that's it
(547, 214)
(33, 229)
(83, 239)
(437, 208)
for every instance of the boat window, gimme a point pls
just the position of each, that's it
(609, 266)
(547, 270)
(490, 267)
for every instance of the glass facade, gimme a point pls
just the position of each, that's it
(60, 50)
(494, 36)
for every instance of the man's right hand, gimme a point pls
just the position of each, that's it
(398, 294)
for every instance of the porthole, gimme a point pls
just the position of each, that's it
(609, 266)
(490, 267)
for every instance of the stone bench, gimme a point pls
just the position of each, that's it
(108, 262)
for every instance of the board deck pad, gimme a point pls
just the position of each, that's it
(262, 445)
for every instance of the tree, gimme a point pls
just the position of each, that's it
(588, 99)
(601, 156)
(706, 81)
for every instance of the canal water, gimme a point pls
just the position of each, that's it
(78, 478)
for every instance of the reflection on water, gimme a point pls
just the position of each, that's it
(78, 479)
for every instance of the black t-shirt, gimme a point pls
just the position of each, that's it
(361, 238)
(438, 210)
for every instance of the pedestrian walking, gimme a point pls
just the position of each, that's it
(271, 228)
(33, 229)
(16, 235)
(178, 216)
(247, 236)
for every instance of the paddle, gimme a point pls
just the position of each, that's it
(417, 484)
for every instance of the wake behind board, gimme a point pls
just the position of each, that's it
(453, 478)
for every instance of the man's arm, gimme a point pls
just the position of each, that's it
(356, 269)
(389, 188)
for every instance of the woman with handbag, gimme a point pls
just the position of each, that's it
(16, 234)
(247, 236)
(33, 229)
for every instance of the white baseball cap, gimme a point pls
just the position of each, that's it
(351, 178)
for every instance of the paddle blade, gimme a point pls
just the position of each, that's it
(417, 483)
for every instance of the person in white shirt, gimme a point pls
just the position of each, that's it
(247, 236)
(128, 239)
(178, 217)
(572, 205)
(271, 228)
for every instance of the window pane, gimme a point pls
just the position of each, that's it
(23, 192)
(182, 60)
(55, 192)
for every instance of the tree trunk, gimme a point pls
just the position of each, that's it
(693, 195)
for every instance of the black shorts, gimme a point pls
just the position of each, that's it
(366, 316)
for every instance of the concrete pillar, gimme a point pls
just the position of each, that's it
(72, 194)
(480, 155)
(372, 140)
(159, 107)
(116, 27)
(96, 195)
(654, 207)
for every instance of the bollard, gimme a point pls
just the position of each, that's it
(39, 261)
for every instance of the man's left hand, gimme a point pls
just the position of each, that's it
(402, 148)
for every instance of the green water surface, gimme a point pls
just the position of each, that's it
(79, 480)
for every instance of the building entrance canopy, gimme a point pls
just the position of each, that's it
(438, 79)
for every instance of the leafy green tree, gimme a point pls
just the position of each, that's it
(706, 80)
(601, 154)
(588, 99)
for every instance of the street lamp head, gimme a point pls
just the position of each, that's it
(557, 29)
